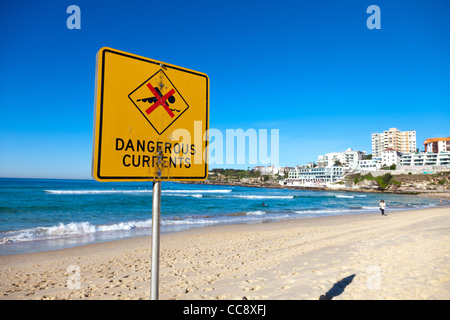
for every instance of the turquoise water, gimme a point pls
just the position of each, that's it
(38, 215)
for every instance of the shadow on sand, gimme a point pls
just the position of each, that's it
(337, 288)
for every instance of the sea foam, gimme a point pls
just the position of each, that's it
(66, 230)
(262, 197)
(177, 192)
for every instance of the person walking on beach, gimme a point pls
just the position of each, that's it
(382, 207)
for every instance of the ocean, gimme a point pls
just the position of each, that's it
(39, 215)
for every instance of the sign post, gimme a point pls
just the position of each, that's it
(156, 217)
(150, 124)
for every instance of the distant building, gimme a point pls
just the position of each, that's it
(310, 165)
(437, 144)
(260, 169)
(401, 141)
(348, 158)
(426, 159)
(284, 170)
(369, 165)
(272, 170)
(315, 176)
(389, 157)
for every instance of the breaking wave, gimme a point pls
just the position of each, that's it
(350, 197)
(262, 197)
(168, 192)
(66, 230)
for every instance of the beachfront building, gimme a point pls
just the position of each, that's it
(421, 159)
(369, 165)
(401, 141)
(437, 144)
(348, 158)
(317, 176)
(389, 157)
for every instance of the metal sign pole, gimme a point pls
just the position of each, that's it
(156, 214)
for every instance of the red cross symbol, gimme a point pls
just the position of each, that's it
(161, 100)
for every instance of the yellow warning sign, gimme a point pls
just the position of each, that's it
(151, 120)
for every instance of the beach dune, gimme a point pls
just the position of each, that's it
(404, 255)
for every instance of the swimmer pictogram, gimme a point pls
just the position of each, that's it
(166, 102)
(159, 99)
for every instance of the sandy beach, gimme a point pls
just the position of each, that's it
(404, 255)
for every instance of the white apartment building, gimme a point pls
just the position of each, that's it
(348, 158)
(389, 157)
(314, 176)
(426, 159)
(369, 165)
(401, 141)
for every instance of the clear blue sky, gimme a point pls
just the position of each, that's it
(311, 69)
